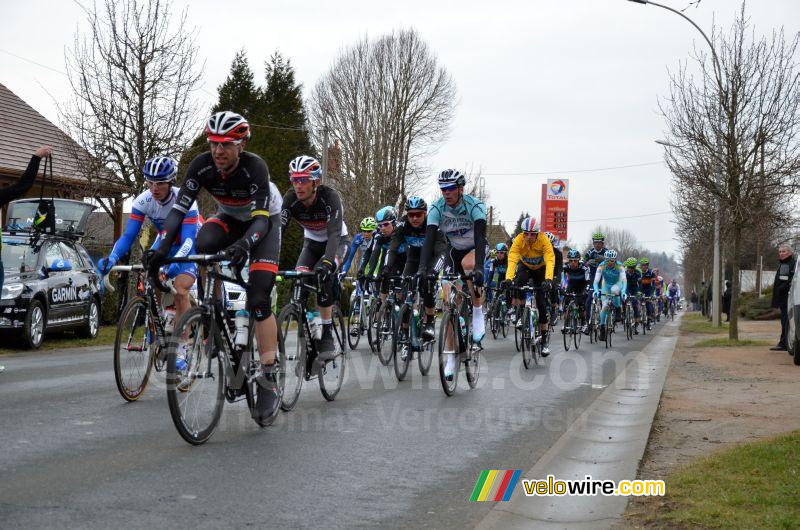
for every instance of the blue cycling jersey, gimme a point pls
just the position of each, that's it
(458, 224)
(359, 243)
(610, 274)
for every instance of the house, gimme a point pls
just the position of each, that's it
(23, 130)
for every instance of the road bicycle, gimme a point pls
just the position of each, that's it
(455, 334)
(572, 321)
(407, 341)
(531, 338)
(609, 320)
(140, 343)
(357, 318)
(498, 314)
(296, 335)
(382, 321)
(215, 365)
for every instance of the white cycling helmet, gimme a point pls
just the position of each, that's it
(451, 177)
(227, 126)
(610, 254)
(305, 166)
(530, 225)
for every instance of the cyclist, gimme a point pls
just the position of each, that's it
(593, 257)
(612, 276)
(558, 269)
(379, 263)
(462, 219)
(155, 204)
(361, 242)
(673, 292)
(239, 183)
(532, 260)
(410, 231)
(577, 276)
(659, 292)
(495, 269)
(633, 277)
(648, 282)
(318, 209)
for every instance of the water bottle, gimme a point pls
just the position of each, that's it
(315, 323)
(168, 317)
(463, 325)
(242, 320)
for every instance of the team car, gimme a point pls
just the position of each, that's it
(50, 282)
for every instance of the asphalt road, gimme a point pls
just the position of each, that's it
(384, 453)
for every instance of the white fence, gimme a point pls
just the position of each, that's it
(747, 279)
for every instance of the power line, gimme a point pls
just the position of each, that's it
(33, 62)
(573, 170)
(623, 217)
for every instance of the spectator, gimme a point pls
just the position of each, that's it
(703, 305)
(726, 301)
(709, 298)
(18, 189)
(694, 298)
(780, 291)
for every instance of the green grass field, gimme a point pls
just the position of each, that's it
(756, 485)
(68, 339)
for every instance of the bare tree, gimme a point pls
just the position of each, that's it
(742, 115)
(389, 104)
(132, 77)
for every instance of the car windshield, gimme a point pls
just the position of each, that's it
(18, 254)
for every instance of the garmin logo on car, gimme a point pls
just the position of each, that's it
(64, 294)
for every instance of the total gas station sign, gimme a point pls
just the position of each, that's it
(555, 207)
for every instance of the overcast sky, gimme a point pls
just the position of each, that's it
(543, 86)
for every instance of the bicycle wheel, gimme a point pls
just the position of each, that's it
(448, 330)
(566, 331)
(519, 342)
(331, 374)
(609, 323)
(504, 320)
(383, 330)
(401, 343)
(195, 394)
(425, 357)
(628, 322)
(292, 341)
(354, 324)
(372, 325)
(528, 338)
(576, 332)
(134, 349)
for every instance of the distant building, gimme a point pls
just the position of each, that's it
(22, 131)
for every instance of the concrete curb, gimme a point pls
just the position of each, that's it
(607, 442)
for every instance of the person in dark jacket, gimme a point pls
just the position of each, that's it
(726, 301)
(18, 189)
(694, 298)
(780, 292)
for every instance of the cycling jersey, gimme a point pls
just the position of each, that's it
(380, 249)
(495, 266)
(243, 194)
(322, 221)
(593, 258)
(457, 224)
(648, 282)
(673, 291)
(534, 255)
(634, 279)
(577, 278)
(610, 274)
(360, 242)
(146, 207)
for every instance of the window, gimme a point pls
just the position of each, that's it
(72, 255)
(52, 254)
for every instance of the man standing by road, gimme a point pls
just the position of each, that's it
(780, 291)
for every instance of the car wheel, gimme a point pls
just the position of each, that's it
(92, 325)
(33, 332)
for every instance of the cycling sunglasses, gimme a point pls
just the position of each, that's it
(416, 215)
(300, 180)
(449, 188)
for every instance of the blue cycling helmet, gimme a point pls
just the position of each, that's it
(416, 203)
(573, 254)
(387, 213)
(160, 169)
(501, 247)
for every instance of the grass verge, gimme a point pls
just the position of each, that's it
(749, 486)
(696, 323)
(728, 343)
(67, 339)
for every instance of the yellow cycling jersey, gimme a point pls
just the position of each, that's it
(533, 255)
